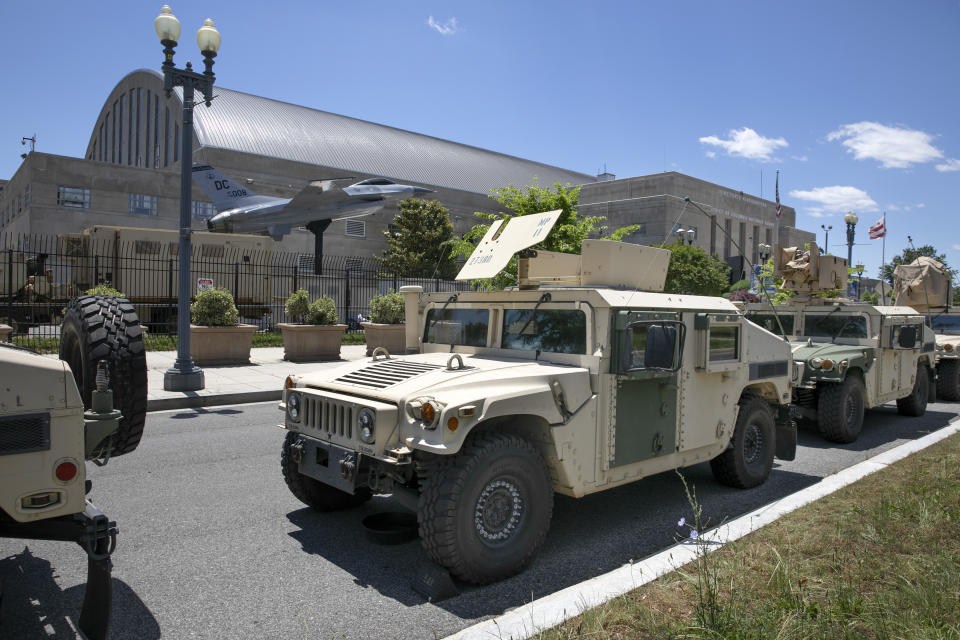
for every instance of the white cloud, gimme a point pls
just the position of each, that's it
(893, 147)
(711, 154)
(835, 200)
(952, 164)
(956, 247)
(799, 158)
(447, 28)
(746, 143)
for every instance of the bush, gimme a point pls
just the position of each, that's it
(298, 307)
(214, 308)
(739, 285)
(323, 311)
(104, 290)
(387, 309)
(742, 295)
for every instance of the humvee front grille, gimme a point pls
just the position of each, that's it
(328, 416)
(387, 373)
(24, 433)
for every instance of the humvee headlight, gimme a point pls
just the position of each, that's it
(826, 364)
(365, 421)
(293, 406)
(948, 347)
(816, 362)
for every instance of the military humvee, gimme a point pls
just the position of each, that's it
(46, 435)
(925, 285)
(848, 356)
(582, 379)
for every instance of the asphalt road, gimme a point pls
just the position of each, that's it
(213, 545)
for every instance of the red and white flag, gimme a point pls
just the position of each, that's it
(879, 228)
(776, 190)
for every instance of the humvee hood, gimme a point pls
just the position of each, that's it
(401, 377)
(802, 352)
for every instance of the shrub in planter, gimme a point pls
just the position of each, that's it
(215, 335)
(104, 289)
(385, 328)
(315, 334)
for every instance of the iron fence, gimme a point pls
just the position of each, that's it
(40, 274)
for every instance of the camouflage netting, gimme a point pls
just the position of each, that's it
(923, 284)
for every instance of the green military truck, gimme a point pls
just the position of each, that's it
(57, 414)
(582, 379)
(848, 356)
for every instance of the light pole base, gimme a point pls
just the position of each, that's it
(175, 379)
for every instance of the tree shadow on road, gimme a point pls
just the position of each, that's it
(35, 607)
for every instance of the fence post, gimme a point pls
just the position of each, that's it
(295, 277)
(236, 280)
(10, 287)
(346, 294)
(96, 270)
(171, 303)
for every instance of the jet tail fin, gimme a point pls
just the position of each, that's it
(224, 192)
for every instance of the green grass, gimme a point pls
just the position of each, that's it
(877, 559)
(163, 342)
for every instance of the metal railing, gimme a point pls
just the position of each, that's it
(40, 274)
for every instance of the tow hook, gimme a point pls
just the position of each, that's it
(348, 465)
(296, 451)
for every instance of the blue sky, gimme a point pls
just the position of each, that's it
(856, 103)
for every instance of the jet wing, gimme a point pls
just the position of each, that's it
(319, 194)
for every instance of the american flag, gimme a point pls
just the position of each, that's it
(879, 228)
(776, 190)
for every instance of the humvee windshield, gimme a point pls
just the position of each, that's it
(835, 326)
(949, 325)
(769, 322)
(457, 326)
(551, 330)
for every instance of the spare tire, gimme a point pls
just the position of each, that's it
(99, 328)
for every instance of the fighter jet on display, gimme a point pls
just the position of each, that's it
(240, 210)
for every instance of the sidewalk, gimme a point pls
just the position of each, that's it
(258, 381)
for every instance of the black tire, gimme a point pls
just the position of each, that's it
(99, 328)
(747, 461)
(948, 379)
(915, 404)
(840, 409)
(313, 493)
(485, 513)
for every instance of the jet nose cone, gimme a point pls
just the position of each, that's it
(422, 190)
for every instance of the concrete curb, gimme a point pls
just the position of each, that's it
(551, 610)
(193, 400)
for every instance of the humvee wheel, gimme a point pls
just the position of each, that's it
(915, 404)
(840, 410)
(106, 328)
(948, 379)
(313, 493)
(748, 460)
(485, 513)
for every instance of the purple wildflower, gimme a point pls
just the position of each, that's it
(682, 522)
(693, 534)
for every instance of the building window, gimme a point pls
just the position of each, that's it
(73, 197)
(143, 205)
(203, 210)
(356, 228)
(123, 101)
(26, 196)
(727, 236)
(166, 137)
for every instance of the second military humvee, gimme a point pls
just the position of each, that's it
(582, 379)
(848, 356)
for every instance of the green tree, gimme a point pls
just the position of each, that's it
(421, 241)
(908, 256)
(693, 271)
(565, 237)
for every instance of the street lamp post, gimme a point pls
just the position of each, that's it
(685, 236)
(185, 375)
(826, 237)
(851, 220)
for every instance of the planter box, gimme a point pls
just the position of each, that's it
(310, 342)
(391, 336)
(5, 331)
(221, 345)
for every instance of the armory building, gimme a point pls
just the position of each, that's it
(129, 175)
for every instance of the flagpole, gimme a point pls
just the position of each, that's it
(883, 261)
(777, 227)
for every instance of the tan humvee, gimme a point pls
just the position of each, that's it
(506, 397)
(57, 414)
